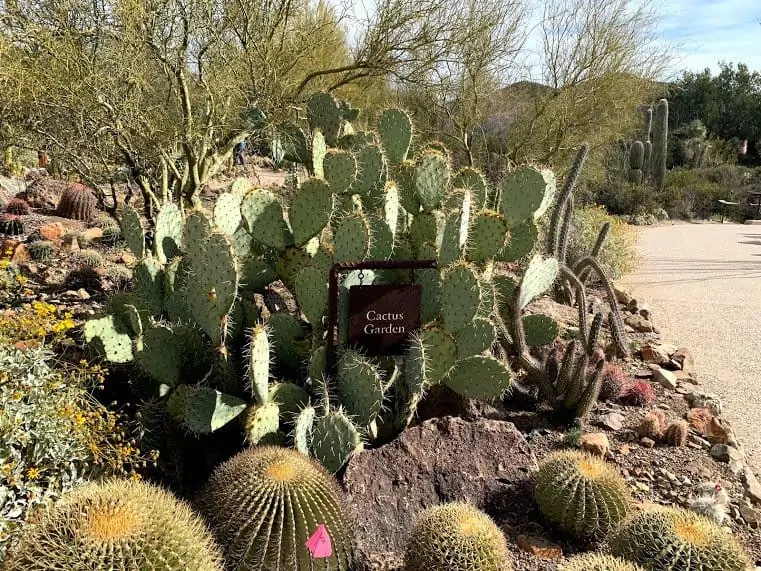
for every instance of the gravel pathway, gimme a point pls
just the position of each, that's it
(703, 285)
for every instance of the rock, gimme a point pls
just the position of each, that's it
(82, 294)
(643, 373)
(724, 453)
(612, 421)
(596, 443)
(699, 418)
(639, 323)
(685, 358)
(53, 232)
(719, 432)
(70, 243)
(622, 296)
(684, 377)
(127, 258)
(633, 306)
(702, 399)
(540, 547)
(752, 487)
(647, 442)
(644, 311)
(92, 234)
(624, 449)
(750, 515)
(441, 460)
(652, 353)
(20, 254)
(665, 378)
(737, 467)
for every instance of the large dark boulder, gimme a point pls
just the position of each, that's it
(442, 460)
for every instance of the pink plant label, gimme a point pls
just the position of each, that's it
(319, 543)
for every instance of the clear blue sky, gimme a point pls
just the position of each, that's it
(714, 30)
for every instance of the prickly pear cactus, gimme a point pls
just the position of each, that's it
(228, 317)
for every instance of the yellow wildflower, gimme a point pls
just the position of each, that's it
(32, 473)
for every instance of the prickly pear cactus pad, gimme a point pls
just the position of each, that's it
(213, 286)
(474, 181)
(110, 338)
(460, 297)
(538, 278)
(263, 214)
(676, 539)
(520, 242)
(479, 377)
(202, 409)
(260, 422)
(439, 353)
(161, 355)
(456, 537)
(395, 131)
(334, 439)
(522, 193)
(352, 238)
(116, 525)
(324, 114)
(149, 284)
(310, 210)
(265, 503)
(476, 337)
(227, 214)
(259, 364)
(340, 169)
(488, 232)
(370, 165)
(361, 387)
(133, 232)
(168, 235)
(581, 494)
(431, 179)
(540, 330)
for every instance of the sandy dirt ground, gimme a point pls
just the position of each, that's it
(703, 285)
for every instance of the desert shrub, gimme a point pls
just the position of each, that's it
(38, 321)
(689, 193)
(12, 283)
(53, 434)
(618, 255)
(622, 197)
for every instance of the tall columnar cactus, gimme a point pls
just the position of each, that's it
(676, 539)
(636, 161)
(265, 503)
(456, 537)
(116, 525)
(573, 277)
(77, 202)
(581, 494)
(660, 144)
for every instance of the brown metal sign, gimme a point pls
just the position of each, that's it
(381, 317)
